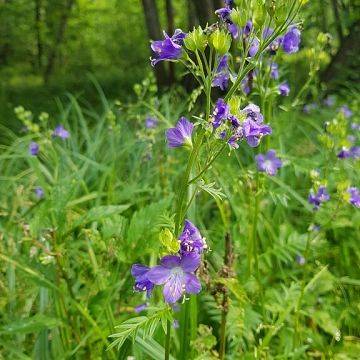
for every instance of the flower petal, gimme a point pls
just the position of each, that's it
(158, 274)
(173, 289)
(190, 262)
(192, 284)
(170, 261)
(138, 270)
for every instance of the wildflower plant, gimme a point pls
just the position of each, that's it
(230, 55)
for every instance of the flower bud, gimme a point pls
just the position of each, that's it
(259, 12)
(196, 40)
(238, 17)
(220, 41)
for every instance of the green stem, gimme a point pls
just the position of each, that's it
(167, 340)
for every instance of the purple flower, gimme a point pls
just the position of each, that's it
(247, 29)
(309, 107)
(176, 324)
(318, 198)
(353, 152)
(268, 163)
(142, 282)
(284, 89)
(141, 307)
(300, 260)
(233, 30)
(346, 111)
(354, 196)
(61, 132)
(177, 275)
(222, 75)
(169, 48)
(221, 113)
(355, 126)
(151, 122)
(224, 13)
(274, 71)
(191, 239)
(254, 47)
(39, 192)
(229, 3)
(291, 40)
(329, 100)
(181, 134)
(33, 148)
(267, 32)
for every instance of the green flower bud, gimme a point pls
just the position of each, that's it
(238, 17)
(196, 40)
(259, 12)
(168, 240)
(220, 41)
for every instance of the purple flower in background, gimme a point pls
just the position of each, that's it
(253, 127)
(274, 71)
(177, 275)
(61, 132)
(224, 13)
(151, 122)
(33, 148)
(284, 89)
(318, 198)
(267, 32)
(268, 163)
(354, 196)
(221, 113)
(222, 75)
(233, 30)
(141, 307)
(291, 40)
(39, 192)
(355, 152)
(169, 48)
(181, 134)
(329, 100)
(142, 282)
(309, 107)
(176, 324)
(191, 239)
(254, 47)
(247, 29)
(346, 111)
(300, 260)
(355, 126)
(344, 153)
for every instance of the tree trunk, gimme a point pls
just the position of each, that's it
(39, 44)
(337, 19)
(59, 38)
(204, 11)
(170, 29)
(345, 58)
(153, 27)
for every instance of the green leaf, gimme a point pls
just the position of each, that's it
(29, 325)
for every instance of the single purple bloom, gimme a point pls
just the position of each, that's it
(300, 260)
(354, 196)
(291, 40)
(355, 152)
(222, 75)
(254, 47)
(267, 32)
(33, 148)
(39, 192)
(355, 126)
(344, 153)
(274, 71)
(169, 48)
(247, 28)
(268, 163)
(61, 132)
(191, 239)
(177, 275)
(253, 111)
(254, 131)
(142, 283)
(221, 113)
(346, 111)
(284, 89)
(318, 198)
(176, 324)
(224, 13)
(151, 122)
(141, 307)
(329, 101)
(233, 30)
(181, 134)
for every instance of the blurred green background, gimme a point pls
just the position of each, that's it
(49, 47)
